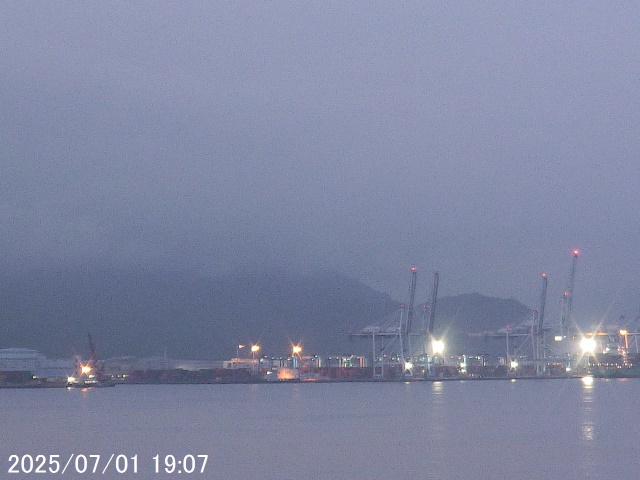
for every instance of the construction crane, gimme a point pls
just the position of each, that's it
(96, 365)
(90, 374)
(94, 353)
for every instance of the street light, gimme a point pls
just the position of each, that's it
(255, 365)
(588, 345)
(238, 350)
(296, 351)
(438, 347)
(623, 334)
(254, 349)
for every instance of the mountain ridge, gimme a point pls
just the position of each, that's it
(144, 312)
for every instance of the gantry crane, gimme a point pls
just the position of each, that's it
(567, 298)
(406, 330)
(391, 338)
(538, 333)
(432, 309)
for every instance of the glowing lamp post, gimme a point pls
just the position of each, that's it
(254, 349)
(588, 345)
(437, 346)
(623, 334)
(296, 350)
(437, 350)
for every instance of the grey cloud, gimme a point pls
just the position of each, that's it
(484, 140)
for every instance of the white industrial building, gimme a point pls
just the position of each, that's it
(26, 360)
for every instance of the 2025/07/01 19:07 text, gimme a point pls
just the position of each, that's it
(101, 464)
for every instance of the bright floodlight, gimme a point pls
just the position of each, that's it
(437, 346)
(297, 349)
(255, 348)
(588, 345)
(86, 369)
(558, 338)
(514, 364)
(408, 365)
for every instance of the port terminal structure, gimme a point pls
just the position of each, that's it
(405, 350)
(534, 348)
(538, 349)
(401, 348)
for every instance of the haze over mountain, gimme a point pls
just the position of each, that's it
(142, 312)
(485, 140)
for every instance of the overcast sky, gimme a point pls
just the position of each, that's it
(482, 139)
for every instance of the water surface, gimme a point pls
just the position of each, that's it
(525, 429)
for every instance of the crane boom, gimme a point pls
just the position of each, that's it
(538, 332)
(412, 298)
(94, 353)
(432, 310)
(96, 364)
(567, 297)
(543, 301)
(410, 312)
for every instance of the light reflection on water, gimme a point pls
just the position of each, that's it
(588, 422)
(447, 430)
(588, 458)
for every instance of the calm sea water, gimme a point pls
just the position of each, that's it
(526, 429)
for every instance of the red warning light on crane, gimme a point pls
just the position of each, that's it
(576, 252)
(413, 269)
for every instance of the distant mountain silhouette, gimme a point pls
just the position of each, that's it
(143, 312)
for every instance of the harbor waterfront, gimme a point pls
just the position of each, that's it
(400, 350)
(572, 429)
(29, 369)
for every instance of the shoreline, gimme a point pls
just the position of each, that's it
(298, 381)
